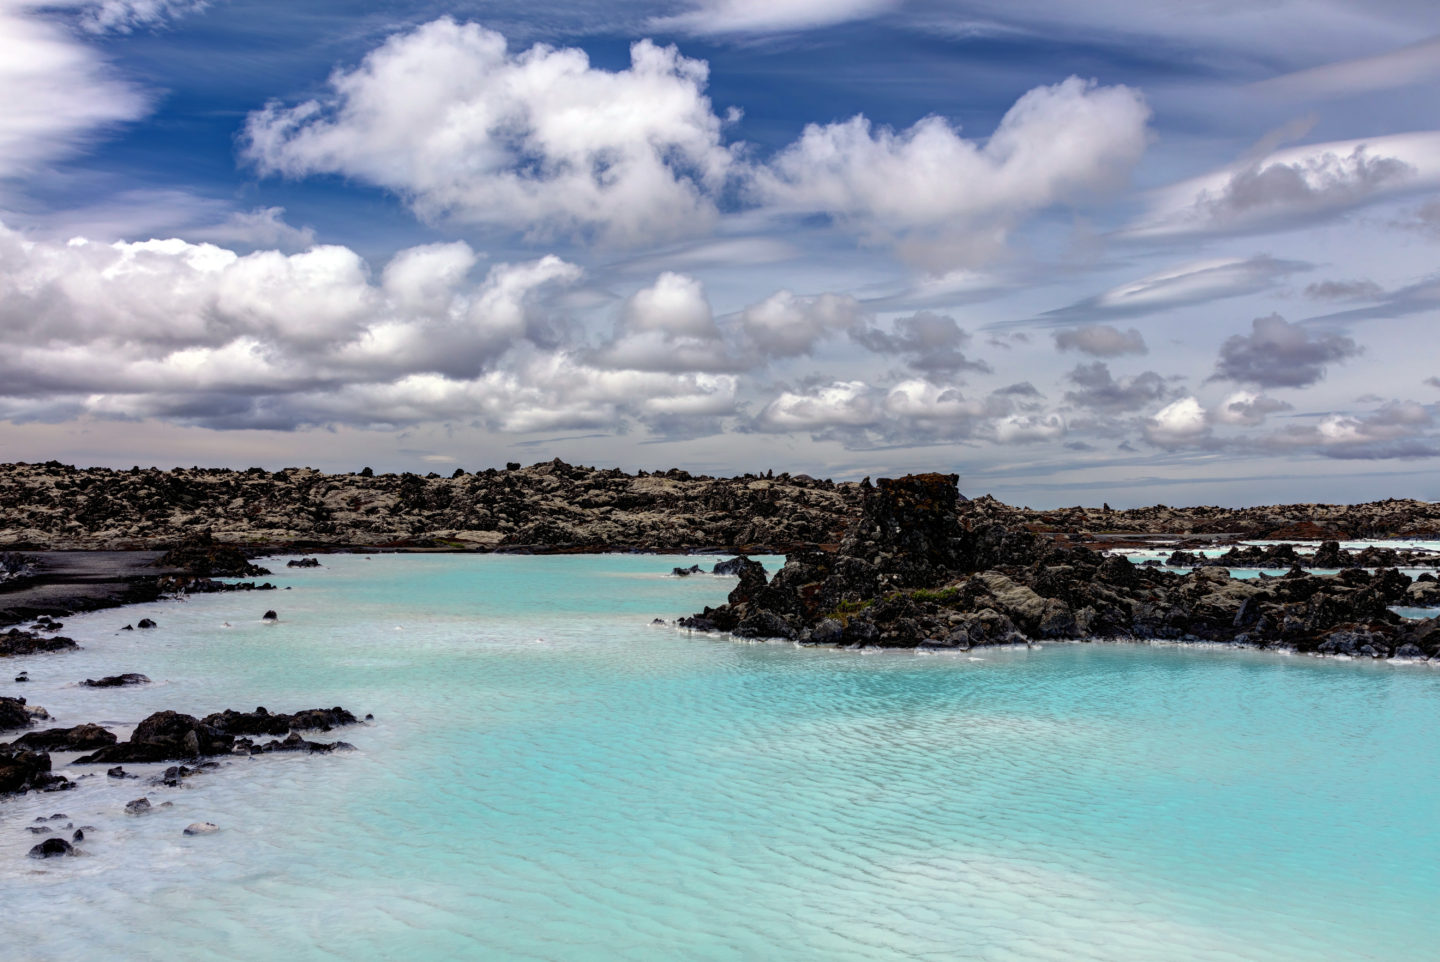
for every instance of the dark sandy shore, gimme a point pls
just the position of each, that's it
(65, 582)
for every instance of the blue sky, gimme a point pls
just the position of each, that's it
(1111, 251)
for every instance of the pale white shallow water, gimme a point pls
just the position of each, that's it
(551, 777)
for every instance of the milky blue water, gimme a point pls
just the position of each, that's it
(549, 776)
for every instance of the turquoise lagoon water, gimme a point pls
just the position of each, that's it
(549, 776)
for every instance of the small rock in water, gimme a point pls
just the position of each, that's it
(145, 623)
(201, 828)
(79, 836)
(128, 628)
(117, 681)
(37, 829)
(138, 807)
(51, 848)
(22, 677)
(270, 616)
(119, 772)
(369, 717)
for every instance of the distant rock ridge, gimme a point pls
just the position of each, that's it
(921, 568)
(550, 506)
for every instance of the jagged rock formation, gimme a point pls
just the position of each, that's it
(550, 506)
(922, 568)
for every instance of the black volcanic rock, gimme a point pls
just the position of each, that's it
(81, 738)
(201, 555)
(14, 714)
(162, 737)
(17, 642)
(920, 567)
(52, 848)
(116, 681)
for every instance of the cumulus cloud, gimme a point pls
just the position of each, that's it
(1292, 186)
(1029, 428)
(1248, 409)
(912, 411)
(1399, 429)
(1101, 340)
(669, 326)
(787, 325)
(57, 94)
(1180, 422)
(1057, 144)
(768, 16)
(542, 141)
(838, 404)
(927, 341)
(1098, 390)
(448, 117)
(1277, 353)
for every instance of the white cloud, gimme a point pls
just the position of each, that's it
(1291, 186)
(1057, 144)
(769, 16)
(919, 399)
(786, 325)
(55, 94)
(1029, 428)
(540, 140)
(1177, 423)
(674, 304)
(839, 404)
(1246, 408)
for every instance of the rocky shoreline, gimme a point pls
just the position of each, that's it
(922, 568)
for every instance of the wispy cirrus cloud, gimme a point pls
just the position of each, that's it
(1197, 282)
(722, 17)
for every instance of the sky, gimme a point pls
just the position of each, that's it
(1120, 251)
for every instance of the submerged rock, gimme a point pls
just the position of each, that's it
(201, 828)
(145, 623)
(140, 806)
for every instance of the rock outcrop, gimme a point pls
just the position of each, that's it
(19, 642)
(172, 736)
(922, 568)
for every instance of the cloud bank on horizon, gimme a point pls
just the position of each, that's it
(845, 238)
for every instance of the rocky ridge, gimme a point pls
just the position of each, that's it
(546, 506)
